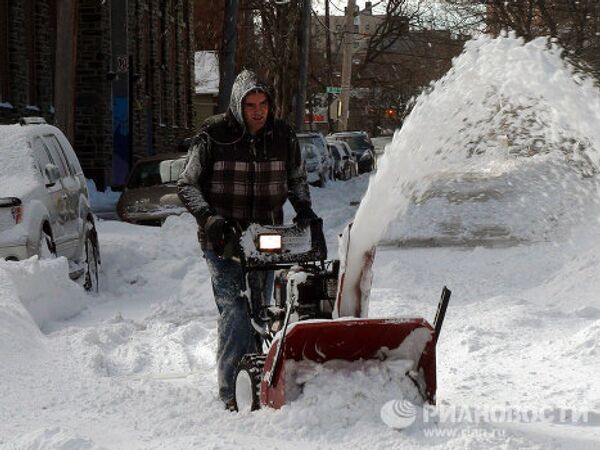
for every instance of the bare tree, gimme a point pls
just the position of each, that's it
(398, 56)
(574, 24)
(274, 48)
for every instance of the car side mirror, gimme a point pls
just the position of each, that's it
(52, 174)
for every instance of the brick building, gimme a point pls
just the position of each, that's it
(132, 81)
(26, 59)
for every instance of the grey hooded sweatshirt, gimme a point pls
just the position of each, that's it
(241, 177)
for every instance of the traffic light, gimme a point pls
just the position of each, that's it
(391, 113)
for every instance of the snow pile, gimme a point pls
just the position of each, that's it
(343, 391)
(507, 111)
(585, 343)
(45, 289)
(19, 334)
(56, 438)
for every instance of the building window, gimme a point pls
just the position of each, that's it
(163, 66)
(52, 27)
(173, 71)
(147, 52)
(30, 45)
(186, 65)
(4, 61)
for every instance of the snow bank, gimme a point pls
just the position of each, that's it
(45, 289)
(19, 334)
(56, 438)
(585, 343)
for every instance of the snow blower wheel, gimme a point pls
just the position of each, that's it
(247, 383)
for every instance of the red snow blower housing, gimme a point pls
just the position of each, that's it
(299, 325)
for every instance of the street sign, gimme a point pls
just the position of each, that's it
(333, 90)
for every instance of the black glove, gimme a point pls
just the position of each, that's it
(304, 217)
(216, 231)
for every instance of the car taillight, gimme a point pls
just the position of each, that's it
(17, 213)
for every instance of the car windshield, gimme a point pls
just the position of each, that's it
(152, 173)
(314, 140)
(309, 151)
(334, 152)
(358, 143)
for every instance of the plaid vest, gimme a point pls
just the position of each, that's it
(248, 178)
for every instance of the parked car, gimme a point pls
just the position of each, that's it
(343, 164)
(313, 164)
(351, 157)
(151, 192)
(325, 165)
(44, 202)
(361, 147)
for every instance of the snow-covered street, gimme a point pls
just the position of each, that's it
(134, 367)
(518, 357)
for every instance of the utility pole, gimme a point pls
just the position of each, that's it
(232, 9)
(330, 121)
(347, 65)
(303, 72)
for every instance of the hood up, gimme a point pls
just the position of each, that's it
(246, 82)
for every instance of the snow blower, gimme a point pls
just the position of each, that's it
(299, 326)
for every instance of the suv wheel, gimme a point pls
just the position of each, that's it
(91, 261)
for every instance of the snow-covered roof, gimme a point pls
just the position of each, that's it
(206, 69)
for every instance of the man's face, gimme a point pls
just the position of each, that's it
(255, 108)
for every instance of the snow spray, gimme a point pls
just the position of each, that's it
(507, 109)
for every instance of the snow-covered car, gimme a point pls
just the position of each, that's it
(312, 161)
(325, 165)
(343, 163)
(44, 202)
(362, 148)
(151, 192)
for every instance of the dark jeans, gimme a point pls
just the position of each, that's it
(236, 337)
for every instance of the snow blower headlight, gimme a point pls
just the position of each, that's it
(269, 243)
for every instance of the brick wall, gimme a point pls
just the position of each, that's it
(93, 142)
(159, 42)
(163, 64)
(18, 64)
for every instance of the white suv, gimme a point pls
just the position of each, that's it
(44, 204)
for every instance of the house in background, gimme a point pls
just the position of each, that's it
(206, 90)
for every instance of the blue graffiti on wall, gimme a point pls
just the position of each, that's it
(121, 148)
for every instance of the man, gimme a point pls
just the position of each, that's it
(242, 167)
